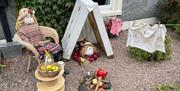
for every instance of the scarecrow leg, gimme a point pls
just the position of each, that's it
(29, 63)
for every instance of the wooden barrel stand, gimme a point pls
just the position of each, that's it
(50, 83)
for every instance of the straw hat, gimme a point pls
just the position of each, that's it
(85, 47)
(23, 13)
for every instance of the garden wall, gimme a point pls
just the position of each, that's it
(139, 9)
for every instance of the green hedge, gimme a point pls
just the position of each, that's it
(170, 15)
(142, 55)
(52, 13)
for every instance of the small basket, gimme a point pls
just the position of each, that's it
(49, 73)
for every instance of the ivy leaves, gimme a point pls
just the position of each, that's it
(52, 13)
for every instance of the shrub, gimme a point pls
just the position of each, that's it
(164, 87)
(170, 15)
(52, 13)
(142, 55)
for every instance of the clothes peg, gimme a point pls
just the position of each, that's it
(159, 24)
(134, 22)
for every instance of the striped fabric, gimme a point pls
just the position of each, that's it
(33, 35)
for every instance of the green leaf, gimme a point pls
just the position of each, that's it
(58, 12)
(41, 1)
(59, 2)
(55, 7)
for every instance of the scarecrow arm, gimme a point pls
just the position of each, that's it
(50, 32)
(26, 45)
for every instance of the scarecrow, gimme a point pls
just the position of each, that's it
(28, 30)
(85, 52)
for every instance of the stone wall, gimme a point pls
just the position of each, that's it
(11, 49)
(139, 9)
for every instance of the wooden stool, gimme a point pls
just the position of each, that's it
(50, 83)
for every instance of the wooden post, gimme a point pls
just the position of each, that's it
(96, 30)
(4, 21)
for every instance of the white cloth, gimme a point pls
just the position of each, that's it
(87, 33)
(148, 38)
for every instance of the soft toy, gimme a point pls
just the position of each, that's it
(85, 50)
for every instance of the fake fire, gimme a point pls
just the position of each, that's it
(97, 82)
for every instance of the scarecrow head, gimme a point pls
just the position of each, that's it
(25, 17)
(87, 49)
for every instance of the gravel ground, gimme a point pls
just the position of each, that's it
(125, 73)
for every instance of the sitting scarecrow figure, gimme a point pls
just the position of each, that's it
(28, 29)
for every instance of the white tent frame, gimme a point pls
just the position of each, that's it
(75, 26)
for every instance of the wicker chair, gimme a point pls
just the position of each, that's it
(47, 32)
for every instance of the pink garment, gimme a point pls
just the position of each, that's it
(116, 26)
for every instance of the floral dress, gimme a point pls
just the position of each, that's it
(33, 35)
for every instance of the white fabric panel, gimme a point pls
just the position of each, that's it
(87, 33)
(148, 38)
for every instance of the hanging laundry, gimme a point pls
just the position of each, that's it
(113, 26)
(146, 37)
(116, 26)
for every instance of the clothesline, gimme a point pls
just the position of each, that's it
(159, 23)
(172, 24)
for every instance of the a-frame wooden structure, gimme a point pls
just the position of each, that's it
(83, 10)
